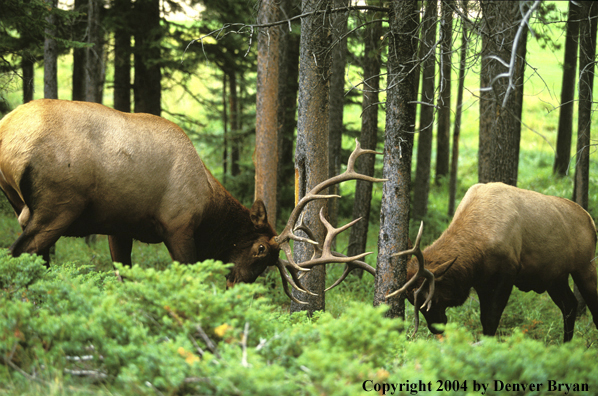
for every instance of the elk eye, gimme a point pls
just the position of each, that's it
(261, 249)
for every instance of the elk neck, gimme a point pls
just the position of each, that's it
(226, 223)
(455, 284)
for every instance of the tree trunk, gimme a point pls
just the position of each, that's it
(79, 62)
(122, 57)
(500, 126)
(398, 147)
(148, 34)
(564, 135)
(233, 100)
(50, 54)
(457, 127)
(287, 110)
(27, 67)
(266, 122)
(368, 140)
(587, 54)
(94, 77)
(224, 130)
(311, 155)
(421, 187)
(443, 137)
(337, 101)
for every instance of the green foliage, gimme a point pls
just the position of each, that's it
(72, 330)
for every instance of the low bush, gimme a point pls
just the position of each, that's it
(72, 330)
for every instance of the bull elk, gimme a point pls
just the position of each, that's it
(79, 168)
(502, 236)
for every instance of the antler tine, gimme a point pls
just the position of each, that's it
(293, 280)
(327, 256)
(285, 286)
(349, 174)
(421, 271)
(357, 153)
(350, 267)
(322, 255)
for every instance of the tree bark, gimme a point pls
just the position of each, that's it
(148, 34)
(235, 124)
(443, 134)
(421, 187)
(368, 140)
(311, 155)
(337, 101)
(50, 54)
(79, 54)
(224, 129)
(564, 135)
(94, 76)
(266, 123)
(500, 127)
(122, 58)
(398, 147)
(457, 126)
(587, 54)
(27, 67)
(287, 110)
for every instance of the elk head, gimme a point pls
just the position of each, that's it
(417, 279)
(324, 254)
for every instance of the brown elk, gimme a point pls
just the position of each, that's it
(502, 236)
(79, 168)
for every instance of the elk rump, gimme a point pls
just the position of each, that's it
(502, 236)
(79, 168)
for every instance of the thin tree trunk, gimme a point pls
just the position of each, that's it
(398, 147)
(311, 155)
(94, 76)
(337, 101)
(500, 126)
(148, 34)
(50, 54)
(233, 100)
(587, 55)
(266, 123)
(27, 67)
(368, 140)
(122, 58)
(564, 135)
(287, 109)
(457, 127)
(443, 136)
(225, 140)
(421, 187)
(79, 62)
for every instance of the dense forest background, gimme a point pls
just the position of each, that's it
(452, 92)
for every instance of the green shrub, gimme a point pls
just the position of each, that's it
(71, 329)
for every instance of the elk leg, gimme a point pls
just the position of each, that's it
(120, 249)
(586, 283)
(564, 298)
(39, 235)
(181, 246)
(493, 300)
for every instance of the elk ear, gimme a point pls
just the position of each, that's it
(258, 214)
(442, 268)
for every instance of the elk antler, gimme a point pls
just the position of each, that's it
(421, 272)
(323, 255)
